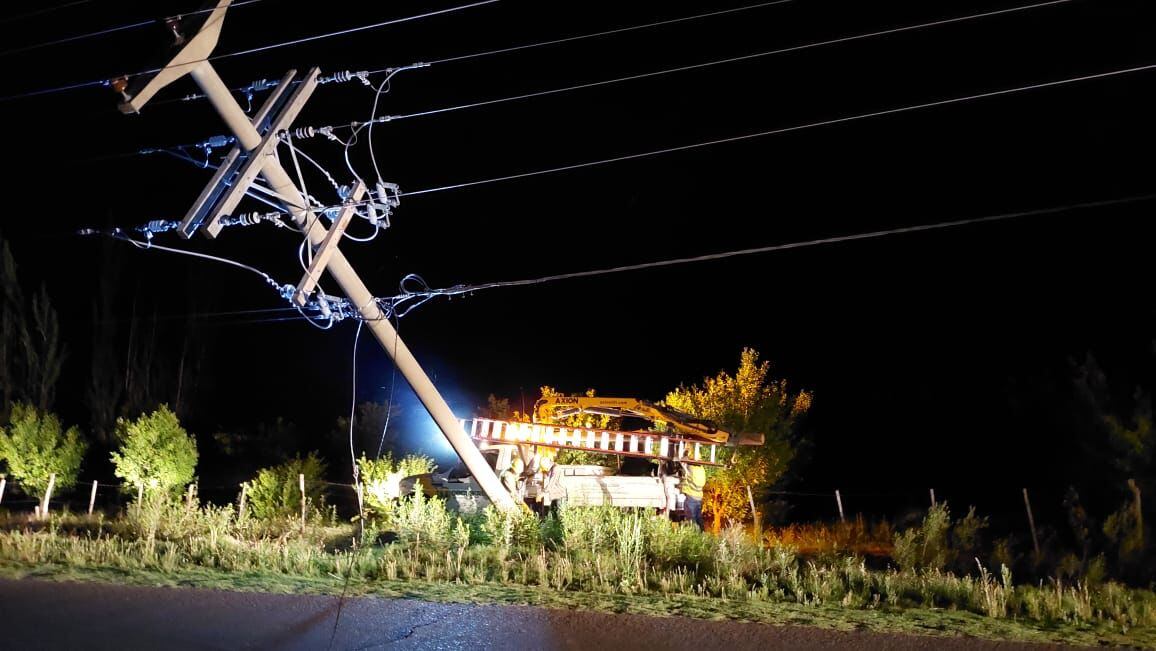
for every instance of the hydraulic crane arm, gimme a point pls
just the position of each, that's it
(556, 408)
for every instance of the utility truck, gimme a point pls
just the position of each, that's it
(647, 458)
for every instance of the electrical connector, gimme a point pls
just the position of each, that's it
(344, 76)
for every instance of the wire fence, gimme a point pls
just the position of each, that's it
(1008, 508)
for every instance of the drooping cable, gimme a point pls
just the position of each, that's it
(392, 384)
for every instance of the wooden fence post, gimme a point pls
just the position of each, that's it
(839, 501)
(1032, 523)
(92, 497)
(3, 483)
(241, 510)
(757, 521)
(301, 483)
(932, 498)
(47, 496)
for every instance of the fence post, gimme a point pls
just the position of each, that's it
(757, 521)
(92, 497)
(3, 483)
(47, 496)
(839, 501)
(359, 488)
(301, 483)
(189, 499)
(1032, 523)
(241, 511)
(932, 498)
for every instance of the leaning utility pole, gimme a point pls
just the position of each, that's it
(255, 154)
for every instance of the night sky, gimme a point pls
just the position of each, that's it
(928, 353)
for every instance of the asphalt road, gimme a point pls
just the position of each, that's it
(47, 615)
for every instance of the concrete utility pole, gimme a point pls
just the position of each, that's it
(192, 59)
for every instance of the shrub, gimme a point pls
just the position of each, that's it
(275, 493)
(517, 527)
(425, 520)
(155, 452)
(381, 478)
(33, 447)
(925, 546)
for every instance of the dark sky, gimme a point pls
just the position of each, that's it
(914, 344)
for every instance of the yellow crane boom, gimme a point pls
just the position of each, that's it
(557, 408)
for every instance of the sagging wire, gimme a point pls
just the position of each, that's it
(385, 201)
(352, 414)
(392, 384)
(329, 309)
(148, 244)
(382, 88)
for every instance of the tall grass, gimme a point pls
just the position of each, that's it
(604, 550)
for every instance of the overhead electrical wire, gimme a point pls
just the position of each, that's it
(37, 12)
(352, 30)
(539, 44)
(119, 28)
(777, 131)
(469, 289)
(781, 130)
(608, 32)
(263, 48)
(423, 293)
(745, 57)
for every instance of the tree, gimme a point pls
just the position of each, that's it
(105, 382)
(155, 452)
(748, 401)
(11, 318)
(276, 491)
(43, 353)
(34, 447)
(31, 354)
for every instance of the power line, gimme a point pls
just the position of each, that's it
(113, 30)
(545, 43)
(798, 127)
(620, 30)
(263, 48)
(352, 30)
(469, 289)
(698, 66)
(45, 10)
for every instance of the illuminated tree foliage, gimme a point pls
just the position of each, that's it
(155, 452)
(34, 446)
(748, 401)
(381, 478)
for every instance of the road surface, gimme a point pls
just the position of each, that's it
(49, 615)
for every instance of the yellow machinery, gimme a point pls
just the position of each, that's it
(557, 408)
